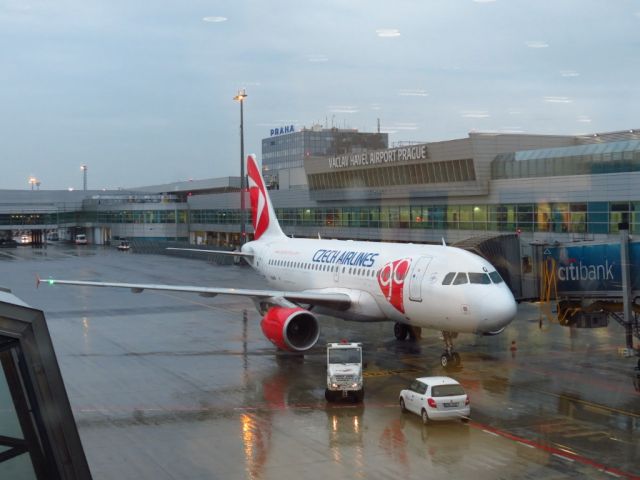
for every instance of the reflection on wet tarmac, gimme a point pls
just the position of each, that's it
(256, 437)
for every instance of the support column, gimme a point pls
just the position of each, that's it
(626, 283)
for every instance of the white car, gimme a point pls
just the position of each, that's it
(24, 240)
(436, 398)
(81, 239)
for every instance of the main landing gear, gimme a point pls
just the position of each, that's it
(401, 331)
(449, 358)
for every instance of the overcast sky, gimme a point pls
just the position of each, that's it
(141, 91)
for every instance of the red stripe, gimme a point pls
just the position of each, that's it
(557, 451)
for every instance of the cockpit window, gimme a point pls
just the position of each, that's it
(495, 277)
(448, 277)
(481, 278)
(461, 278)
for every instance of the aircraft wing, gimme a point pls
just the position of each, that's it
(339, 301)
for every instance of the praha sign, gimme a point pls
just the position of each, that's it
(282, 130)
(379, 157)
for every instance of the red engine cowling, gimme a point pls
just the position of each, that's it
(293, 329)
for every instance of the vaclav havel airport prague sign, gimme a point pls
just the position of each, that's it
(379, 157)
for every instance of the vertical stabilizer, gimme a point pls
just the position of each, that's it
(263, 216)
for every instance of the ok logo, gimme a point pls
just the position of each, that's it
(391, 281)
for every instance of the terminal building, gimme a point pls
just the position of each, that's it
(347, 184)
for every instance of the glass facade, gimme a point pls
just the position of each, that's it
(92, 216)
(578, 218)
(611, 157)
(289, 150)
(563, 217)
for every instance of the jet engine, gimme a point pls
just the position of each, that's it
(293, 329)
(495, 332)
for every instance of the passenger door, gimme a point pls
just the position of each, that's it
(415, 282)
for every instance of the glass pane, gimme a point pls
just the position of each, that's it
(461, 278)
(19, 467)
(482, 278)
(447, 278)
(9, 424)
(466, 217)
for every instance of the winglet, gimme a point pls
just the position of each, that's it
(443, 242)
(38, 280)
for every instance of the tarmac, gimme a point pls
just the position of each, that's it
(177, 386)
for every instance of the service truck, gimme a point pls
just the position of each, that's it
(344, 371)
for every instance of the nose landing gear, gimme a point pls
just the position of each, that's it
(449, 358)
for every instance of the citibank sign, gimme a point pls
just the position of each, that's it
(282, 130)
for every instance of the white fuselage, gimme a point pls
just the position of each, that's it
(390, 281)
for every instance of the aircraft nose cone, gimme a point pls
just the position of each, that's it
(500, 313)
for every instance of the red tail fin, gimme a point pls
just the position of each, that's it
(262, 213)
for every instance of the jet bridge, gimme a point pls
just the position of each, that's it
(586, 284)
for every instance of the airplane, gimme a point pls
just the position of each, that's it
(432, 286)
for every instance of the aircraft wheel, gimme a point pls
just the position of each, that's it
(400, 330)
(456, 359)
(444, 360)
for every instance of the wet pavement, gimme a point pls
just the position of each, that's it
(176, 386)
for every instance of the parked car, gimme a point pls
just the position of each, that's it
(124, 245)
(436, 398)
(81, 239)
(23, 239)
(8, 243)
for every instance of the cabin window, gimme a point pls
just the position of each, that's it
(495, 277)
(461, 278)
(482, 278)
(447, 278)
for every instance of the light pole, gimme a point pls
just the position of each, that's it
(84, 177)
(240, 98)
(33, 181)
